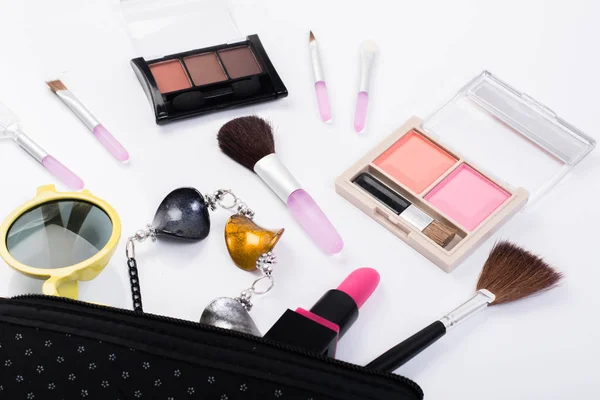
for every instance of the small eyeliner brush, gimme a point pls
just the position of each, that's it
(509, 274)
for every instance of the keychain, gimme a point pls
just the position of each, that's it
(184, 215)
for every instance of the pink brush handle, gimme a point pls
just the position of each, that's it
(312, 219)
(62, 173)
(323, 101)
(360, 117)
(110, 143)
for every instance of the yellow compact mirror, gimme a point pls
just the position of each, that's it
(61, 237)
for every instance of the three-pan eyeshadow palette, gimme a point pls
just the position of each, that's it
(445, 203)
(209, 79)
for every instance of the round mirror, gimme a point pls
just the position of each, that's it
(59, 234)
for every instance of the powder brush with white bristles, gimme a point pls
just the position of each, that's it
(250, 142)
(319, 77)
(509, 274)
(368, 51)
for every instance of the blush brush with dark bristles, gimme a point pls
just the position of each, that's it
(509, 274)
(250, 142)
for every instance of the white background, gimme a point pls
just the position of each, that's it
(543, 348)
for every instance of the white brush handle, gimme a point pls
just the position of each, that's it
(78, 109)
(274, 173)
(31, 147)
(366, 63)
(318, 73)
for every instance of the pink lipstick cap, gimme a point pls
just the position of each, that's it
(360, 285)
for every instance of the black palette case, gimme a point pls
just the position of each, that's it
(55, 348)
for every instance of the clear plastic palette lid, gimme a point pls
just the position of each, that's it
(509, 135)
(162, 27)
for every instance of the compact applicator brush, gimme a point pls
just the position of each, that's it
(509, 274)
(250, 142)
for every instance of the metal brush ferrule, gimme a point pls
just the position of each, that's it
(316, 62)
(78, 108)
(272, 171)
(30, 146)
(416, 217)
(366, 62)
(478, 302)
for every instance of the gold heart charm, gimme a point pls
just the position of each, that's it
(246, 241)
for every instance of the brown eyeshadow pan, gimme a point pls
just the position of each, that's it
(170, 76)
(240, 62)
(205, 69)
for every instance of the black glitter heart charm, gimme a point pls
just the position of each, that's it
(183, 214)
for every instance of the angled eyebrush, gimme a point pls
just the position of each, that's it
(509, 274)
(98, 130)
(437, 231)
(250, 142)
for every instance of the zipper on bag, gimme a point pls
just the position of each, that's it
(58, 301)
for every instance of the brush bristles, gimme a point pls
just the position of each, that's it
(440, 233)
(247, 140)
(311, 37)
(57, 85)
(512, 273)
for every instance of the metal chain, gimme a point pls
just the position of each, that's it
(136, 294)
(265, 265)
(223, 198)
(134, 278)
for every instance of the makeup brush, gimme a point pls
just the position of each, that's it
(509, 274)
(11, 128)
(437, 231)
(108, 141)
(319, 75)
(250, 142)
(368, 51)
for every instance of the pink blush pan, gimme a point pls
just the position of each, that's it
(467, 197)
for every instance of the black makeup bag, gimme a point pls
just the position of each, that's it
(55, 348)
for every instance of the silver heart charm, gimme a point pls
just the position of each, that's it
(228, 313)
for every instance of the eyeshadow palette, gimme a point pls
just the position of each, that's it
(445, 203)
(205, 80)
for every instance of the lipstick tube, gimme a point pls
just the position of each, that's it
(320, 328)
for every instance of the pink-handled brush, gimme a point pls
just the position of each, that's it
(319, 75)
(368, 51)
(250, 142)
(98, 130)
(10, 128)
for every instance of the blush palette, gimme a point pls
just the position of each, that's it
(511, 151)
(444, 185)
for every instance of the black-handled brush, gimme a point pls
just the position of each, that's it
(510, 273)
